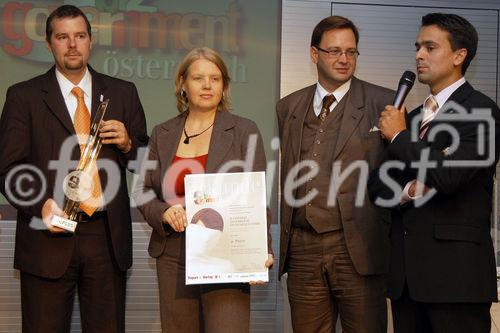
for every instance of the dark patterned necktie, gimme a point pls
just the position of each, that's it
(325, 109)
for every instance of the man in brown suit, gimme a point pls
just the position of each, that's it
(39, 117)
(334, 242)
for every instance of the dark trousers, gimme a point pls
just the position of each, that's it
(410, 316)
(47, 304)
(198, 308)
(322, 284)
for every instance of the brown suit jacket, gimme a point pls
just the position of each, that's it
(365, 227)
(229, 142)
(33, 127)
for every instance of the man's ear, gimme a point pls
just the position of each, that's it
(459, 57)
(47, 44)
(314, 54)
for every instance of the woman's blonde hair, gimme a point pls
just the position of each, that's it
(182, 69)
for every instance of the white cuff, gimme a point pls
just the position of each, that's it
(405, 196)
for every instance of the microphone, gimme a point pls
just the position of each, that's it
(405, 85)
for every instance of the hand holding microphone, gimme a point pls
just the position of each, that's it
(392, 120)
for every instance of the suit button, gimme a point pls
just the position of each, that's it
(286, 231)
(405, 233)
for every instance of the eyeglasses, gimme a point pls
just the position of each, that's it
(337, 53)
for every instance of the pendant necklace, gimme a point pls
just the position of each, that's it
(186, 140)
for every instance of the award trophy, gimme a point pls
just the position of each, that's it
(77, 185)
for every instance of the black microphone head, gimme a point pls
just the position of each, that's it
(408, 79)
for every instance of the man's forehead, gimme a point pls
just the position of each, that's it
(431, 34)
(338, 37)
(344, 32)
(69, 23)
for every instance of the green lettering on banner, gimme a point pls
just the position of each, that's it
(138, 6)
(107, 5)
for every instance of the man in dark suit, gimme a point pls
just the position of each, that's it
(442, 275)
(40, 116)
(334, 242)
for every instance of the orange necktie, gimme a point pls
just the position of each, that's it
(82, 128)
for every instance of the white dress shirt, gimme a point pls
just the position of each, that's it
(445, 94)
(66, 86)
(321, 92)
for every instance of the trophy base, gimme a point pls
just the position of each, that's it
(63, 223)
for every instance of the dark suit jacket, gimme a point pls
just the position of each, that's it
(34, 124)
(443, 248)
(229, 142)
(365, 229)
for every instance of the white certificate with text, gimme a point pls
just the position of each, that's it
(226, 236)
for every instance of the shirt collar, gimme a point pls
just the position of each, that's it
(445, 94)
(66, 85)
(321, 92)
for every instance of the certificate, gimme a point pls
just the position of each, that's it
(226, 236)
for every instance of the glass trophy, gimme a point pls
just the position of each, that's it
(77, 185)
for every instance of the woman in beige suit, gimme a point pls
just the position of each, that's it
(208, 135)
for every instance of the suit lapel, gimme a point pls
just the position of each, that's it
(458, 96)
(297, 118)
(220, 141)
(353, 113)
(55, 101)
(168, 140)
(98, 89)
(414, 115)
(462, 93)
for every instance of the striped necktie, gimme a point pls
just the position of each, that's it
(429, 110)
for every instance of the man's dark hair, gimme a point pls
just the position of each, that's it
(461, 34)
(62, 12)
(332, 23)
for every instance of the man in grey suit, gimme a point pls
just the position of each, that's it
(334, 242)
